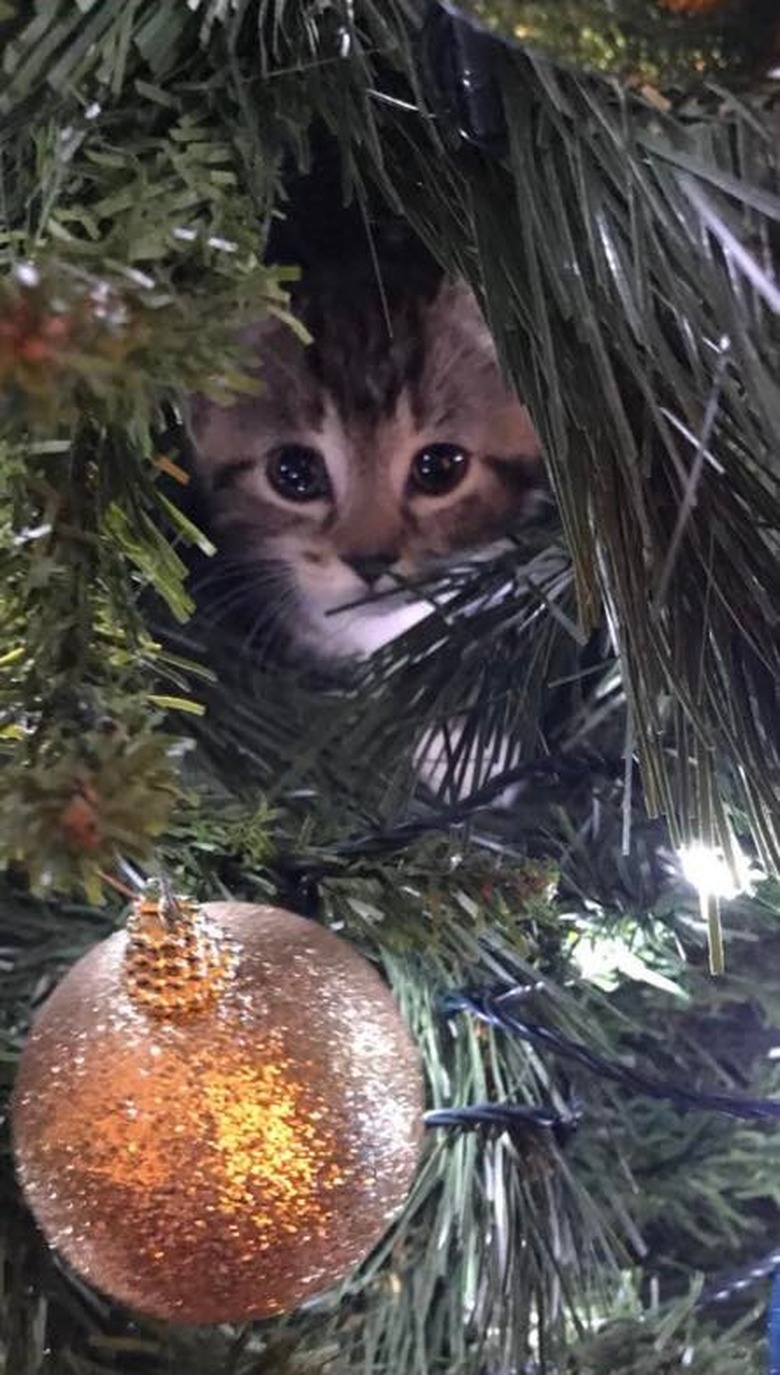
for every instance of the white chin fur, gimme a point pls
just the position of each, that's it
(359, 630)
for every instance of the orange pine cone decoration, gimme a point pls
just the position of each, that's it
(79, 821)
(28, 339)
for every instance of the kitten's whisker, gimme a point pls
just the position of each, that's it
(233, 591)
(270, 624)
(260, 573)
(223, 586)
(245, 648)
(219, 611)
(223, 559)
(262, 650)
(240, 584)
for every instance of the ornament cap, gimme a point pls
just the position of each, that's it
(177, 963)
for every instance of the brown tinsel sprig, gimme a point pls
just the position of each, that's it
(71, 340)
(86, 773)
(72, 803)
(50, 327)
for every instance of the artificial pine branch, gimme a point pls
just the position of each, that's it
(109, 307)
(661, 446)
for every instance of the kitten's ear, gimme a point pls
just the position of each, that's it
(260, 333)
(455, 311)
(258, 339)
(193, 409)
(272, 352)
(459, 345)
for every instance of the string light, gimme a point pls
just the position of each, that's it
(716, 877)
(713, 874)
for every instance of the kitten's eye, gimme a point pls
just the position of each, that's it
(298, 473)
(438, 468)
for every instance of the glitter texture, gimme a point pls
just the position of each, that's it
(229, 1162)
(664, 42)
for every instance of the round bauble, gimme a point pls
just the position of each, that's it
(217, 1117)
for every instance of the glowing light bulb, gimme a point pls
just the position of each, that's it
(709, 871)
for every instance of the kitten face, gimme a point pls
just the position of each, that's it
(365, 461)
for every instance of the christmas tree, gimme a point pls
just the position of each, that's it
(595, 1015)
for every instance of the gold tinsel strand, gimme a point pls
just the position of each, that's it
(661, 42)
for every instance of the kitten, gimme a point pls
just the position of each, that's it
(386, 448)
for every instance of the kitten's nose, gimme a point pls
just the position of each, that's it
(369, 567)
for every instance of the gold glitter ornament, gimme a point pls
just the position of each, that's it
(218, 1112)
(668, 43)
